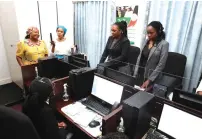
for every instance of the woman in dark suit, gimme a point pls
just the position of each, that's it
(117, 44)
(154, 54)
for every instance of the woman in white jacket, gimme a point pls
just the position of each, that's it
(62, 45)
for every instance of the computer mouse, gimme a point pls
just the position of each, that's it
(94, 123)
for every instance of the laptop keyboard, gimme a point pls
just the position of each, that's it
(96, 106)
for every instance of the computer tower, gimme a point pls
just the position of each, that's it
(137, 114)
(80, 83)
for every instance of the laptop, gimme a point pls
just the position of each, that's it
(176, 123)
(105, 95)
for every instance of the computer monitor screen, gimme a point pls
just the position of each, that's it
(191, 100)
(180, 124)
(106, 90)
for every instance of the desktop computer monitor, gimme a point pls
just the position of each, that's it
(117, 75)
(47, 67)
(191, 100)
(80, 62)
(64, 68)
(106, 90)
(53, 68)
(179, 123)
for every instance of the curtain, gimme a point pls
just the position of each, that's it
(182, 23)
(92, 20)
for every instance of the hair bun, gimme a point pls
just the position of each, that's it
(124, 23)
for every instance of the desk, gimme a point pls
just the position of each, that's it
(60, 104)
(109, 122)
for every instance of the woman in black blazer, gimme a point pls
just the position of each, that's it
(117, 44)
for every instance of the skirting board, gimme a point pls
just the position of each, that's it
(5, 81)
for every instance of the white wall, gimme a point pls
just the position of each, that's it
(4, 70)
(16, 16)
(66, 17)
(26, 16)
(11, 37)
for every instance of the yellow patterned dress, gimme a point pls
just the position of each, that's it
(30, 53)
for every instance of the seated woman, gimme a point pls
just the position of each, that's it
(31, 49)
(117, 44)
(41, 115)
(154, 54)
(61, 46)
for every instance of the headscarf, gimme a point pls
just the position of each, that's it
(39, 91)
(41, 114)
(63, 28)
(30, 30)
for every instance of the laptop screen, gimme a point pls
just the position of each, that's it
(106, 90)
(180, 124)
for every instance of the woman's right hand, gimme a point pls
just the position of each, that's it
(52, 43)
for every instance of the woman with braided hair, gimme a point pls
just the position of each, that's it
(117, 44)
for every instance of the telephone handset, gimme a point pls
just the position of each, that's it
(51, 38)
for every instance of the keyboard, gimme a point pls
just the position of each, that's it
(155, 135)
(96, 106)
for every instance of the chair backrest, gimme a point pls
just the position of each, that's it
(175, 64)
(133, 54)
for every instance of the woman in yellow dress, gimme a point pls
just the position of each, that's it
(31, 48)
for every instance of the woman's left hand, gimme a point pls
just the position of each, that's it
(145, 84)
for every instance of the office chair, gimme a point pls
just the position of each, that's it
(127, 67)
(175, 64)
(194, 89)
(173, 71)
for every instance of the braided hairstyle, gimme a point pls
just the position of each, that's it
(123, 27)
(159, 29)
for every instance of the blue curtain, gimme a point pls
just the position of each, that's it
(92, 21)
(182, 21)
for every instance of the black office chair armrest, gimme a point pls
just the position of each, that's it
(111, 64)
(169, 81)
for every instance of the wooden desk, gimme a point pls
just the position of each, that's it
(59, 104)
(109, 122)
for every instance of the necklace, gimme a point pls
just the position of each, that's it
(151, 44)
(31, 43)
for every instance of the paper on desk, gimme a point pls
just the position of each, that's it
(84, 117)
(95, 132)
(73, 109)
